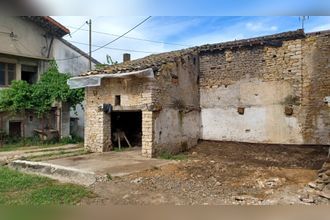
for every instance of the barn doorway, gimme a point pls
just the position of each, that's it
(128, 123)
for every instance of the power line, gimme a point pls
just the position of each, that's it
(136, 38)
(78, 29)
(110, 41)
(123, 34)
(112, 48)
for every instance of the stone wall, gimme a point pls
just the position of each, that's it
(177, 124)
(268, 93)
(135, 95)
(169, 105)
(271, 85)
(315, 114)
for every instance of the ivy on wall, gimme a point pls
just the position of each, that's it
(38, 98)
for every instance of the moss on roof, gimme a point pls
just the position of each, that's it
(155, 61)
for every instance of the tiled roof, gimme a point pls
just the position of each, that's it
(271, 40)
(49, 24)
(157, 60)
(154, 61)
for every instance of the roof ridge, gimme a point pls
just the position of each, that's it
(283, 35)
(78, 50)
(156, 60)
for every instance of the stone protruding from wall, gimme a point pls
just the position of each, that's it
(147, 133)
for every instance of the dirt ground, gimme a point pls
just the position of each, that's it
(221, 173)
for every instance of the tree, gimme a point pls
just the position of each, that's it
(39, 98)
(17, 98)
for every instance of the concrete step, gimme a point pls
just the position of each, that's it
(57, 172)
(49, 155)
(64, 147)
(6, 157)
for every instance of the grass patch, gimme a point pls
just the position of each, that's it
(34, 143)
(23, 189)
(56, 155)
(20, 146)
(168, 156)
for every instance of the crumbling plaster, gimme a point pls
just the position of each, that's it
(260, 93)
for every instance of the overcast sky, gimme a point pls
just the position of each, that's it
(172, 33)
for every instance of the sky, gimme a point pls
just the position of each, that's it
(167, 33)
(184, 7)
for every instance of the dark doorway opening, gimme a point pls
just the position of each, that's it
(29, 74)
(130, 123)
(15, 128)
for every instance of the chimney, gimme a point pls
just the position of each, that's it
(126, 57)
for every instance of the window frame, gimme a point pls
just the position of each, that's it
(6, 75)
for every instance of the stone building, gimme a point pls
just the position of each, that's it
(27, 44)
(270, 89)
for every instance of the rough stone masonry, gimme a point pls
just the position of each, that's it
(270, 89)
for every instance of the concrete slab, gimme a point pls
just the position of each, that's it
(61, 173)
(8, 156)
(113, 163)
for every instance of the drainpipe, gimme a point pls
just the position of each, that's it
(50, 46)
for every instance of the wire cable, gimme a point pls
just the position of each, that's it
(78, 29)
(110, 41)
(112, 48)
(123, 34)
(136, 38)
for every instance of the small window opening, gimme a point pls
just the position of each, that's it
(288, 110)
(117, 100)
(29, 74)
(240, 110)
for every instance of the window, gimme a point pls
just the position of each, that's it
(29, 74)
(7, 73)
(117, 100)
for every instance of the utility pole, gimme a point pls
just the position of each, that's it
(303, 19)
(90, 43)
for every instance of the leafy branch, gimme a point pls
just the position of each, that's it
(38, 98)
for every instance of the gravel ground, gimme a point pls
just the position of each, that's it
(221, 173)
